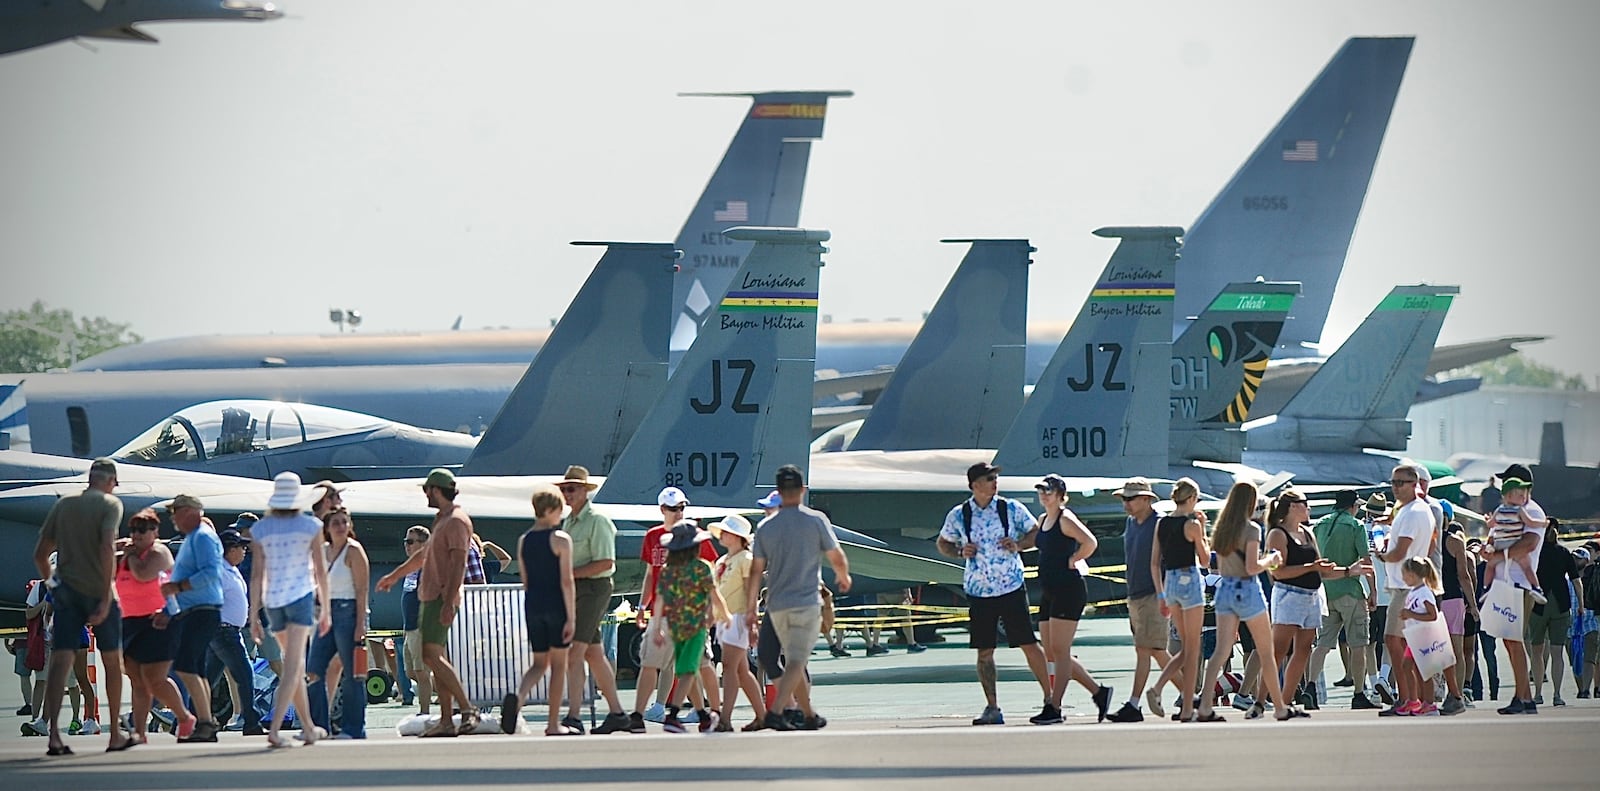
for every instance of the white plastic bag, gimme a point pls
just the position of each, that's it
(1429, 642)
(1502, 611)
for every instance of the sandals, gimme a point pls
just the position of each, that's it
(753, 726)
(60, 749)
(275, 741)
(312, 735)
(1209, 716)
(564, 731)
(443, 729)
(469, 721)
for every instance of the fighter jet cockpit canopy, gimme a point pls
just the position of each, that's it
(221, 428)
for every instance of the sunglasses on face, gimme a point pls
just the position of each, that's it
(991, 478)
(1401, 481)
(413, 541)
(673, 507)
(571, 488)
(138, 530)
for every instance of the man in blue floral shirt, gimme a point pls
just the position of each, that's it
(991, 540)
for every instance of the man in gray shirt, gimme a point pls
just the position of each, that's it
(789, 547)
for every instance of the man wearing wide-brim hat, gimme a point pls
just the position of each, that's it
(1343, 540)
(594, 561)
(1144, 610)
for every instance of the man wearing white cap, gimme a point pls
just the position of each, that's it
(656, 656)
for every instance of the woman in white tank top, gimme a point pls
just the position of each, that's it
(348, 574)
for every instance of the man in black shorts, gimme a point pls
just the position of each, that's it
(987, 531)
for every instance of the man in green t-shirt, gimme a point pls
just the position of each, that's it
(594, 561)
(1351, 599)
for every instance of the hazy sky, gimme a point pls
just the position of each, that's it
(419, 161)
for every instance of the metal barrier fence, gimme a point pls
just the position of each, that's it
(489, 647)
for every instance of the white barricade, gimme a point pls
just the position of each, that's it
(489, 647)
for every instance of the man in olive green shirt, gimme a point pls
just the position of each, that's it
(1343, 540)
(594, 560)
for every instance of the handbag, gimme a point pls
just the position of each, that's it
(1429, 642)
(34, 660)
(1502, 611)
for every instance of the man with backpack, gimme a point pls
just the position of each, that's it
(989, 532)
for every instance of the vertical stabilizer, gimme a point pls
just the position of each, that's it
(1359, 398)
(13, 418)
(759, 183)
(1217, 366)
(738, 406)
(959, 384)
(1289, 212)
(594, 378)
(1101, 407)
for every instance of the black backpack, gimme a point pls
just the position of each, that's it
(1001, 506)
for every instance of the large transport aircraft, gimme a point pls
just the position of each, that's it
(94, 410)
(24, 25)
(723, 424)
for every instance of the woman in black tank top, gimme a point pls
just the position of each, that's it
(1180, 542)
(1297, 601)
(1063, 542)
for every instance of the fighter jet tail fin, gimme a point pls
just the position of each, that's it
(1359, 398)
(759, 183)
(738, 405)
(1101, 406)
(13, 418)
(1217, 366)
(959, 384)
(1290, 210)
(600, 370)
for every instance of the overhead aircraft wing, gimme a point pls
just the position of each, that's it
(887, 564)
(862, 382)
(125, 33)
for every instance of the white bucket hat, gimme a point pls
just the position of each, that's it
(734, 524)
(289, 495)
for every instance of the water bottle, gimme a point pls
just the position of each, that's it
(1379, 536)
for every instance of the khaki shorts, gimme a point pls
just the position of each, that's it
(1392, 625)
(413, 654)
(797, 632)
(592, 601)
(1549, 627)
(1145, 621)
(650, 653)
(1350, 614)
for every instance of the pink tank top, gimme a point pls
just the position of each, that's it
(138, 599)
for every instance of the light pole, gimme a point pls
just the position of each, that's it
(345, 316)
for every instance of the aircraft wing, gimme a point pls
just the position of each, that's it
(887, 564)
(851, 383)
(1461, 355)
(124, 33)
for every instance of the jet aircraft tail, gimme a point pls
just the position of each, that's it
(1101, 406)
(1359, 398)
(959, 384)
(739, 404)
(596, 376)
(1289, 212)
(1217, 366)
(759, 183)
(13, 418)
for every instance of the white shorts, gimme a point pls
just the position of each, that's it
(735, 634)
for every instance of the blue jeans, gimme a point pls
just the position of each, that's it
(352, 691)
(227, 647)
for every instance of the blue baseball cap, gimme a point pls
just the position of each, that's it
(772, 500)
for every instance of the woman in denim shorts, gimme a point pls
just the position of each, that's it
(1179, 543)
(1297, 595)
(1237, 542)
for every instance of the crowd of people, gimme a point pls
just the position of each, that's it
(292, 589)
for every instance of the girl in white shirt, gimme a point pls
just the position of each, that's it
(1422, 604)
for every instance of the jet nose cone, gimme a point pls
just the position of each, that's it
(253, 9)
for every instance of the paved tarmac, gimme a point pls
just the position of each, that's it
(897, 721)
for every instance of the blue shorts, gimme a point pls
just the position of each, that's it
(1184, 589)
(1240, 597)
(300, 612)
(1296, 606)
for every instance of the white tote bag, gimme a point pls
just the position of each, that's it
(1502, 611)
(1429, 642)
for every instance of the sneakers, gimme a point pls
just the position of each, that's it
(1345, 682)
(708, 721)
(877, 650)
(689, 717)
(1426, 710)
(1360, 701)
(1583, 694)
(1412, 708)
(1153, 698)
(775, 721)
(184, 729)
(656, 713)
(636, 723)
(91, 726)
(1530, 707)
(1049, 715)
(1538, 595)
(36, 727)
(916, 648)
(671, 723)
(574, 723)
(1556, 701)
(1243, 702)
(74, 728)
(614, 722)
(991, 716)
(253, 728)
(25, 711)
(1128, 713)
(795, 718)
(202, 732)
(1384, 693)
(815, 722)
(838, 651)
(1539, 699)
(1452, 705)
(510, 709)
(1310, 698)
(1255, 712)
(235, 724)
(168, 721)
(1102, 702)
(1397, 710)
